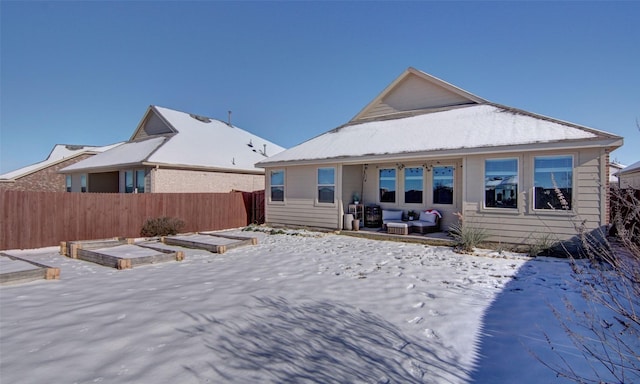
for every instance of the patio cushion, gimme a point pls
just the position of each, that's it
(428, 217)
(423, 224)
(388, 214)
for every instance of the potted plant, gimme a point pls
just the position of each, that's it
(356, 198)
(412, 215)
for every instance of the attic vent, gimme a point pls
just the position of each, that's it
(201, 118)
(74, 147)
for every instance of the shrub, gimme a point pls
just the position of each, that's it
(466, 237)
(541, 245)
(606, 333)
(161, 226)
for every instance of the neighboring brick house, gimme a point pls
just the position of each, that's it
(44, 176)
(173, 151)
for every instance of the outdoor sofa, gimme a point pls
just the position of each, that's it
(427, 222)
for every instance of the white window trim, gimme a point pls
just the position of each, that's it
(519, 201)
(318, 203)
(453, 202)
(404, 186)
(553, 212)
(84, 177)
(378, 197)
(284, 187)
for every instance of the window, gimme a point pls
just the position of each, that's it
(326, 185)
(134, 181)
(140, 181)
(128, 181)
(413, 185)
(443, 185)
(553, 181)
(83, 183)
(388, 185)
(501, 183)
(68, 182)
(276, 181)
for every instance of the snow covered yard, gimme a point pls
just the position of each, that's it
(312, 307)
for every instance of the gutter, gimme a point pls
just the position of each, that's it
(610, 144)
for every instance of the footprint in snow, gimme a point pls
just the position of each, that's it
(415, 320)
(121, 317)
(411, 286)
(430, 334)
(418, 305)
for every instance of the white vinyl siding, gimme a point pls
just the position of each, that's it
(414, 93)
(526, 224)
(301, 208)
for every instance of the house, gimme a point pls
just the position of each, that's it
(44, 176)
(614, 168)
(629, 177)
(425, 144)
(173, 151)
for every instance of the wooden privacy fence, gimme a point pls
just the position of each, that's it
(39, 219)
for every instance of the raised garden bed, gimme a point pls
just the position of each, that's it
(118, 253)
(212, 242)
(14, 270)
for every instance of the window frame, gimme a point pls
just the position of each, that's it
(84, 187)
(556, 211)
(134, 172)
(68, 183)
(136, 180)
(395, 185)
(271, 185)
(319, 185)
(506, 209)
(453, 184)
(422, 185)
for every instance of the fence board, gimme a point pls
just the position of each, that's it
(39, 219)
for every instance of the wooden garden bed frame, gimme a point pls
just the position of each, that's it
(85, 250)
(241, 241)
(41, 272)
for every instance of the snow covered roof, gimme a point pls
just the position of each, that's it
(59, 153)
(635, 167)
(127, 153)
(457, 128)
(419, 115)
(190, 141)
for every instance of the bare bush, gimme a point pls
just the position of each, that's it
(161, 226)
(607, 332)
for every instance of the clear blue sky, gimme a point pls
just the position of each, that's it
(85, 72)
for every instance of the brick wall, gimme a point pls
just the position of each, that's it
(44, 180)
(175, 180)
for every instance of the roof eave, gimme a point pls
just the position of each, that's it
(187, 167)
(610, 144)
(101, 169)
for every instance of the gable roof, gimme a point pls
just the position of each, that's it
(59, 153)
(170, 138)
(415, 90)
(425, 128)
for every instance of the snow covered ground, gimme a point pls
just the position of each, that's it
(310, 307)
